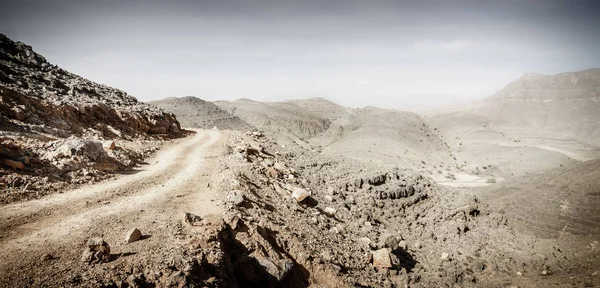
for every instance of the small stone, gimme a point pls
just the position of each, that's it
(445, 256)
(402, 245)
(351, 200)
(300, 194)
(519, 273)
(109, 145)
(328, 198)
(595, 273)
(191, 218)
(235, 197)
(545, 272)
(133, 235)
(47, 257)
(329, 210)
(381, 258)
(272, 172)
(365, 240)
(87, 255)
(330, 190)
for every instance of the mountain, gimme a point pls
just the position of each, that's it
(37, 96)
(562, 105)
(196, 113)
(535, 123)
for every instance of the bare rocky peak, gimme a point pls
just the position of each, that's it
(565, 86)
(28, 77)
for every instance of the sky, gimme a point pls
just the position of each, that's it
(406, 55)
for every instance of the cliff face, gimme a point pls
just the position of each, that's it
(37, 96)
(565, 105)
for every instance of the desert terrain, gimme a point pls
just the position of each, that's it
(101, 190)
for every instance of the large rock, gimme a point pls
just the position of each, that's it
(277, 271)
(88, 149)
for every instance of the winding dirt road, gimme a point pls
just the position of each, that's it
(153, 199)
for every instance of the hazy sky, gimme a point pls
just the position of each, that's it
(395, 54)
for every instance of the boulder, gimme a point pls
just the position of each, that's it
(381, 258)
(300, 194)
(133, 235)
(89, 149)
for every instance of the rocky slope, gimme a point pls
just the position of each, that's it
(58, 129)
(196, 113)
(369, 134)
(40, 96)
(296, 218)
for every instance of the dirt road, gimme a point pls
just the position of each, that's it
(153, 199)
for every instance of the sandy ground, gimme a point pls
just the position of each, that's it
(463, 180)
(152, 199)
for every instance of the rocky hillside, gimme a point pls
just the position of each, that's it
(284, 121)
(37, 96)
(369, 134)
(194, 112)
(59, 130)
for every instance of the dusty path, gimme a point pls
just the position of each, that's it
(153, 200)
